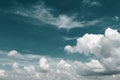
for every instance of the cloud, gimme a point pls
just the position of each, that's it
(45, 15)
(89, 43)
(91, 3)
(105, 47)
(69, 49)
(37, 67)
(14, 54)
(64, 21)
(98, 67)
(15, 65)
(116, 18)
(69, 38)
(63, 64)
(2, 72)
(29, 69)
(43, 64)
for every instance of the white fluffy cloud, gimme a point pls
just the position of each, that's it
(63, 64)
(105, 47)
(36, 67)
(14, 54)
(47, 68)
(95, 65)
(43, 63)
(2, 72)
(29, 69)
(89, 43)
(15, 65)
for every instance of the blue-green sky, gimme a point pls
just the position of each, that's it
(47, 27)
(28, 33)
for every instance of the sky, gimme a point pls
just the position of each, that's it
(59, 40)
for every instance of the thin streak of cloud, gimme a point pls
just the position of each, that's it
(42, 13)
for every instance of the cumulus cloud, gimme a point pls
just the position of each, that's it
(63, 64)
(38, 67)
(15, 65)
(43, 63)
(89, 43)
(2, 72)
(95, 65)
(14, 54)
(105, 47)
(29, 69)
(69, 49)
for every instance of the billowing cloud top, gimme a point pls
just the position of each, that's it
(105, 47)
(29, 66)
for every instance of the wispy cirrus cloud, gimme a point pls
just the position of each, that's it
(91, 3)
(69, 38)
(44, 14)
(116, 18)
